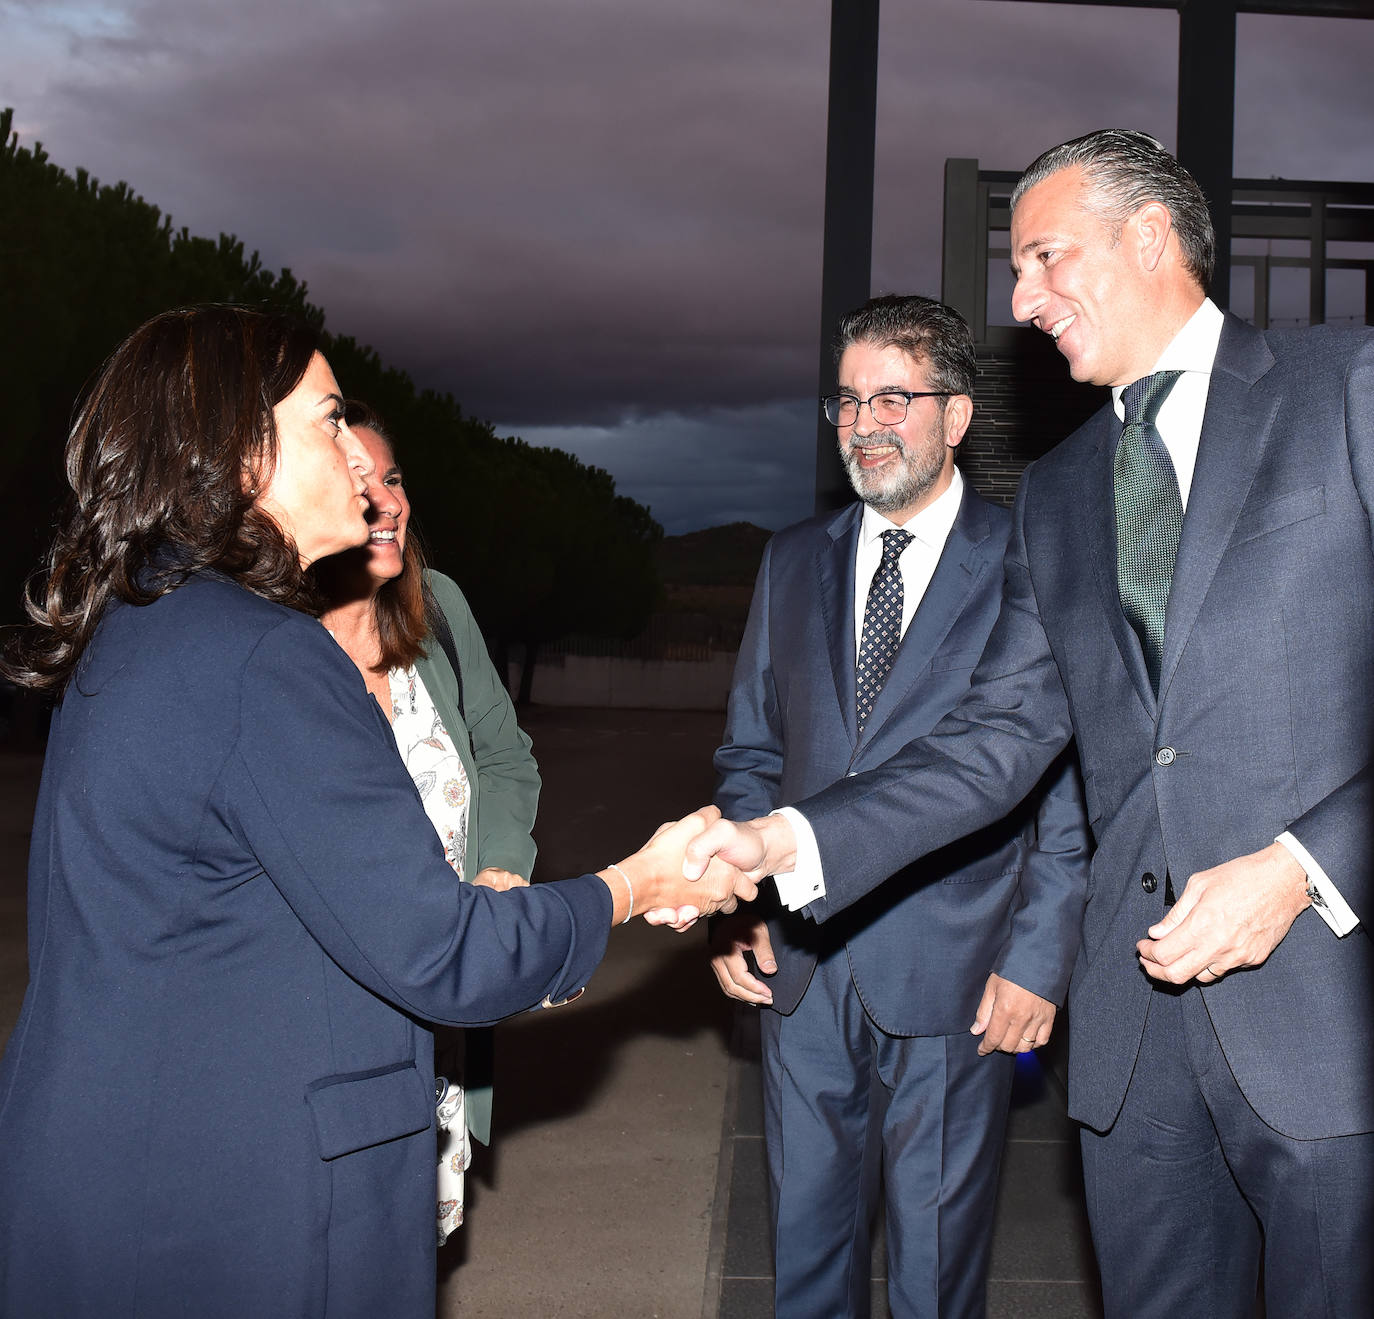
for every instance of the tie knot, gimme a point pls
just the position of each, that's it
(1142, 399)
(894, 542)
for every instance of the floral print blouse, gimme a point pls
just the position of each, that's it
(433, 762)
(437, 769)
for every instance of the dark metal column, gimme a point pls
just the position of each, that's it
(847, 257)
(1207, 116)
(1316, 268)
(964, 247)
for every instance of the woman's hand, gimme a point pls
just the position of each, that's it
(654, 874)
(500, 880)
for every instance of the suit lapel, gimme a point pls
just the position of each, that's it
(963, 561)
(1096, 505)
(1235, 429)
(835, 589)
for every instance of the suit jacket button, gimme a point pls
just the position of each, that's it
(1165, 756)
(1148, 882)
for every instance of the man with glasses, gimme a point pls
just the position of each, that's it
(864, 631)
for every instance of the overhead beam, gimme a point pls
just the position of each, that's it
(1293, 8)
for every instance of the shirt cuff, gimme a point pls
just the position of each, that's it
(805, 883)
(1329, 904)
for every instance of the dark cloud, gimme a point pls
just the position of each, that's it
(718, 465)
(571, 214)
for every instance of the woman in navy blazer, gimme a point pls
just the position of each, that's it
(219, 1094)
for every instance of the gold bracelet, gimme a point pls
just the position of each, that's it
(629, 886)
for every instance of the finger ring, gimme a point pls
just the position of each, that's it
(1216, 975)
(1027, 1039)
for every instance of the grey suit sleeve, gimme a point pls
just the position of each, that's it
(1339, 830)
(1046, 923)
(979, 761)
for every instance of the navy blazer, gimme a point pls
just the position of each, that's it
(1263, 722)
(921, 948)
(220, 1086)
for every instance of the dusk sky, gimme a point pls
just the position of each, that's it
(598, 222)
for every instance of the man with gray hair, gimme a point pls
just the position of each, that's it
(1190, 596)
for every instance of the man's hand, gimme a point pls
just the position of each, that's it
(752, 850)
(500, 880)
(730, 940)
(1226, 918)
(1011, 1019)
(676, 918)
(758, 848)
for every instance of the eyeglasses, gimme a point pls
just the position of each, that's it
(887, 409)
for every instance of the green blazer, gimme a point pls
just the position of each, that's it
(503, 787)
(503, 780)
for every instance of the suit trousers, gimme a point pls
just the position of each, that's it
(846, 1106)
(1190, 1190)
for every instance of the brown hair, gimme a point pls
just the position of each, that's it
(402, 623)
(925, 330)
(171, 438)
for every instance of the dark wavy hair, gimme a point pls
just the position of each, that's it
(401, 603)
(924, 329)
(168, 448)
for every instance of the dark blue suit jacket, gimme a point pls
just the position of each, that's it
(921, 948)
(220, 1087)
(1263, 722)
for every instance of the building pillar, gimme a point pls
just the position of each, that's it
(1207, 116)
(964, 256)
(847, 256)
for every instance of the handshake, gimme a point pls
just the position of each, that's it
(698, 865)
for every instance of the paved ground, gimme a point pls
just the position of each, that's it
(608, 1111)
(626, 1178)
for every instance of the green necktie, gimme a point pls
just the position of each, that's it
(1149, 515)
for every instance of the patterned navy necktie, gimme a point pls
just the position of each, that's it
(882, 630)
(1149, 516)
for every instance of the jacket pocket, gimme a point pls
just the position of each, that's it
(1275, 514)
(355, 1110)
(948, 660)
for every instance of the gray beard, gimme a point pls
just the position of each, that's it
(918, 476)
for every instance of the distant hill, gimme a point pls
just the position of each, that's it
(718, 556)
(708, 579)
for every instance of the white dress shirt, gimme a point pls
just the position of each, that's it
(1192, 351)
(1179, 423)
(929, 529)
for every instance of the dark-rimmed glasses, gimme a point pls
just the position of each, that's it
(887, 409)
